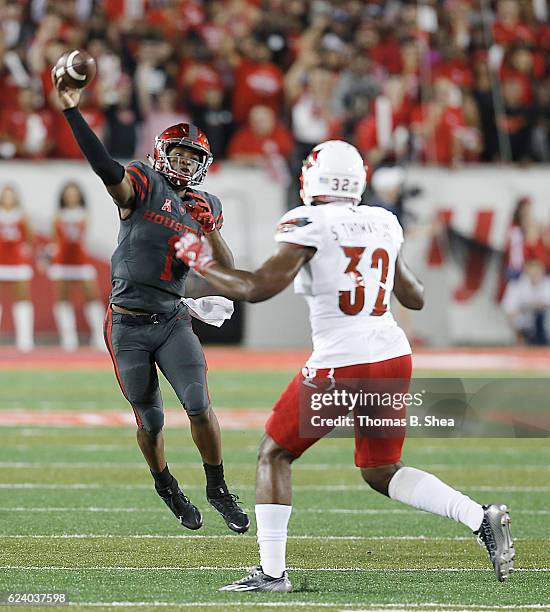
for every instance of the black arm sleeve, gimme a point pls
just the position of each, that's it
(108, 170)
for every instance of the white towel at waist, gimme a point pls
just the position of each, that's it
(212, 309)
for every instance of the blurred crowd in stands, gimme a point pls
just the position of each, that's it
(438, 82)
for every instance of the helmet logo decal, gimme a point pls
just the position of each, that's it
(311, 159)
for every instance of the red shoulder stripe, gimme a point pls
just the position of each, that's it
(142, 176)
(137, 187)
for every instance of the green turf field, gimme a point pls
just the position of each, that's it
(78, 514)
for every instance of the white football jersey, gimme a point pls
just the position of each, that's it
(348, 282)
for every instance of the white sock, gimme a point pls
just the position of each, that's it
(23, 317)
(95, 312)
(426, 492)
(65, 320)
(272, 522)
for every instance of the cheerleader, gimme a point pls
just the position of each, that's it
(15, 269)
(71, 268)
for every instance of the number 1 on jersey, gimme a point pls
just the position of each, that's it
(345, 302)
(167, 272)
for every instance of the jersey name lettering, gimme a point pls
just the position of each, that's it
(151, 215)
(342, 231)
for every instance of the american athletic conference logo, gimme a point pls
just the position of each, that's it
(167, 206)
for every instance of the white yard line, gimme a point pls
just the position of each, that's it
(443, 606)
(247, 567)
(162, 510)
(211, 604)
(433, 606)
(244, 487)
(156, 536)
(251, 464)
(436, 607)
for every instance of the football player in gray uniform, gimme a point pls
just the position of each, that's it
(147, 324)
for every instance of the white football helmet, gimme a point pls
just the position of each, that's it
(333, 170)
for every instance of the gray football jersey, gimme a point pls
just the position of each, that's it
(145, 273)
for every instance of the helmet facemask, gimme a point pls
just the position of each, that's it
(164, 162)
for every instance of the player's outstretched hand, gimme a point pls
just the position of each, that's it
(194, 252)
(68, 97)
(200, 211)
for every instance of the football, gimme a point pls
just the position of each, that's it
(76, 69)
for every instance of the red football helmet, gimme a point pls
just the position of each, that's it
(183, 135)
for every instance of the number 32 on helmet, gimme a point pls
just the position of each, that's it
(333, 170)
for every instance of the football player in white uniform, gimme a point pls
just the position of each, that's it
(346, 260)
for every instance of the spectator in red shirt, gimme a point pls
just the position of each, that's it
(436, 125)
(522, 64)
(455, 66)
(508, 25)
(198, 75)
(381, 46)
(260, 140)
(383, 134)
(29, 129)
(66, 145)
(174, 19)
(257, 81)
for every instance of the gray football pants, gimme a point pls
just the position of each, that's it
(137, 349)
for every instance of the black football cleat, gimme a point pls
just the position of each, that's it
(496, 536)
(226, 504)
(258, 581)
(186, 513)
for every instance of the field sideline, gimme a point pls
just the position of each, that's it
(508, 359)
(78, 513)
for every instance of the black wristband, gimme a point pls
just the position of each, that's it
(108, 170)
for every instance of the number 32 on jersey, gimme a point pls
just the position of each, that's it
(353, 302)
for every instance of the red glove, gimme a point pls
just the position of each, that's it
(194, 252)
(201, 213)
